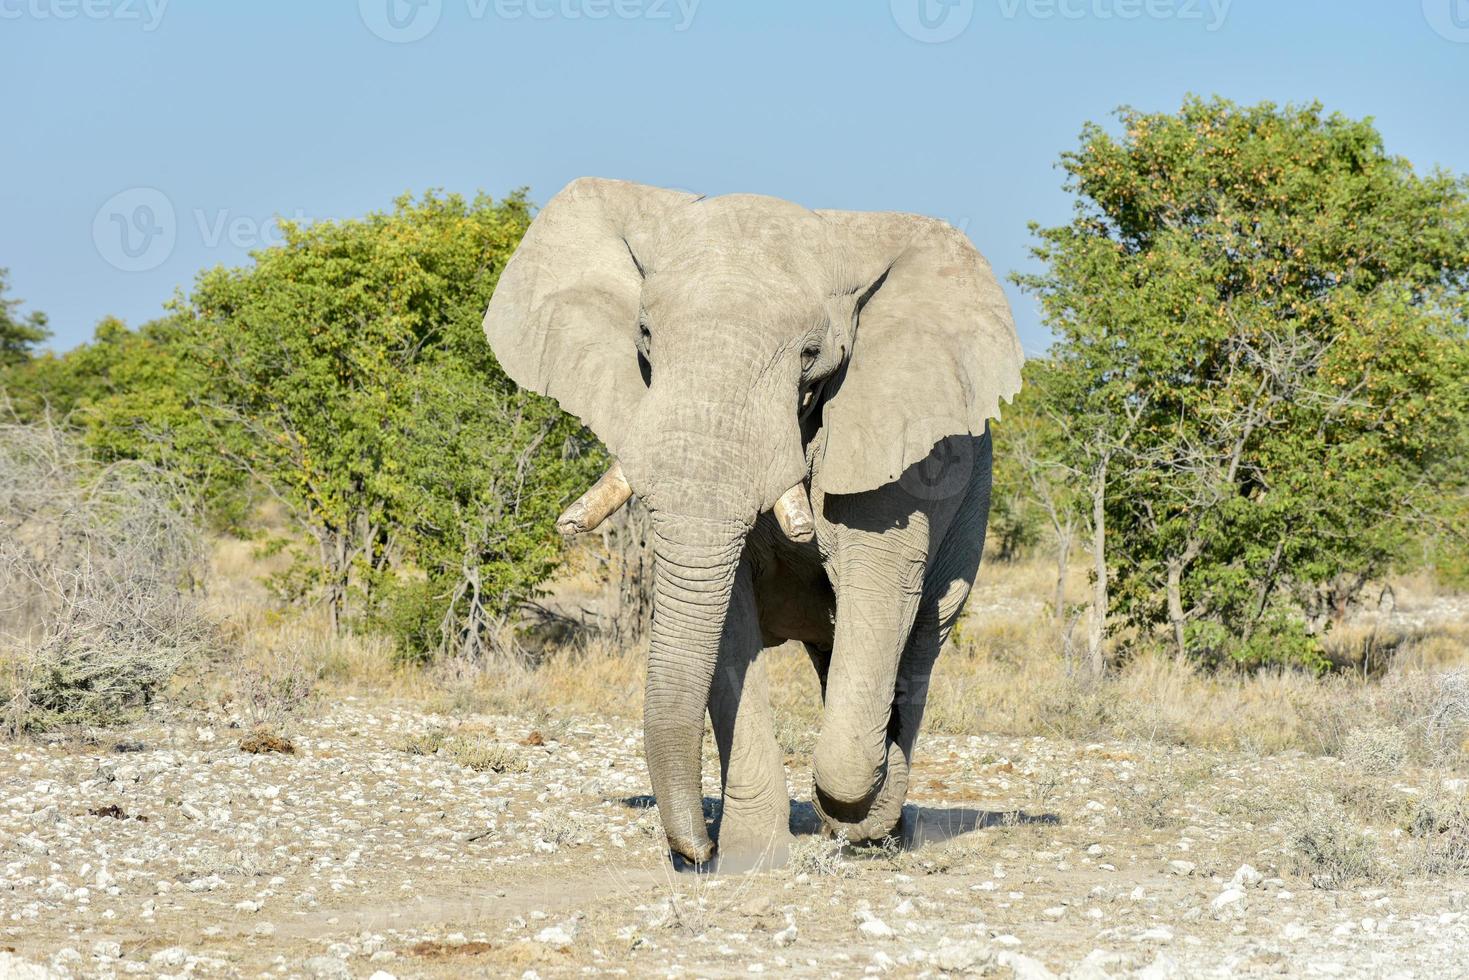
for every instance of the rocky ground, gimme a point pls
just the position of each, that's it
(375, 840)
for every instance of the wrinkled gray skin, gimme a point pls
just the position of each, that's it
(726, 349)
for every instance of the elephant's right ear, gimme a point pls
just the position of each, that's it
(563, 321)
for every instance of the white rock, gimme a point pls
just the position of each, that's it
(875, 928)
(555, 936)
(1157, 934)
(1181, 868)
(786, 936)
(1024, 967)
(959, 957)
(172, 956)
(12, 967)
(327, 968)
(1099, 964)
(1246, 877)
(1230, 896)
(33, 845)
(1163, 967)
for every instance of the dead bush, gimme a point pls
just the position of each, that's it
(1441, 827)
(1328, 847)
(263, 741)
(1376, 751)
(100, 569)
(820, 856)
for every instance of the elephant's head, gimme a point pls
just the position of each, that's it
(724, 349)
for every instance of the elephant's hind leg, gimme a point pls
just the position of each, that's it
(754, 826)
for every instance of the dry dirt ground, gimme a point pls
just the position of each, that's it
(393, 842)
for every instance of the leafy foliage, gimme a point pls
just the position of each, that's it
(18, 337)
(352, 382)
(137, 395)
(1261, 322)
(344, 375)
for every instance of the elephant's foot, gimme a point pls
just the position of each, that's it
(695, 851)
(754, 836)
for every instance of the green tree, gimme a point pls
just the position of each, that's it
(18, 336)
(138, 395)
(350, 378)
(1261, 353)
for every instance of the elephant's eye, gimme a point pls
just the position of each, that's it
(808, 359)
(645, 352)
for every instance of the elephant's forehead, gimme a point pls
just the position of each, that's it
(749, 225)
(729, 288)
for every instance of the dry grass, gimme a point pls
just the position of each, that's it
(483, 753)
(1004, 673)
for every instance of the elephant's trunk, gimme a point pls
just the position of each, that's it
(696, 560)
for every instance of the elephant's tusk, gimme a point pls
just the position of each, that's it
(793, 513)
(597, 504)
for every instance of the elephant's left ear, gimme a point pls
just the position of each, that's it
(933, 353)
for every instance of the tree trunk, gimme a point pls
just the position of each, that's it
(1063, 562)
(1097, 628)
(1175, 606)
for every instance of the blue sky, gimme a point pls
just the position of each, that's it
(229, 114)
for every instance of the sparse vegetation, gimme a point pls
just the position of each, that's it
(1331, 849)
(100, 571)
(1376, 751)
(1441, 826)
(823, 856)
(477, 750)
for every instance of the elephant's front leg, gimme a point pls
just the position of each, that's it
(877, 566)
(754, 826)
(901, 568)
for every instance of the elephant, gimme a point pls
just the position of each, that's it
(802, 400)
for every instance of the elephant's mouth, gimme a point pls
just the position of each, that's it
(610, 493)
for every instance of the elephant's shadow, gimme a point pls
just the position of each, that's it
(922, 826)
(925, 826)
